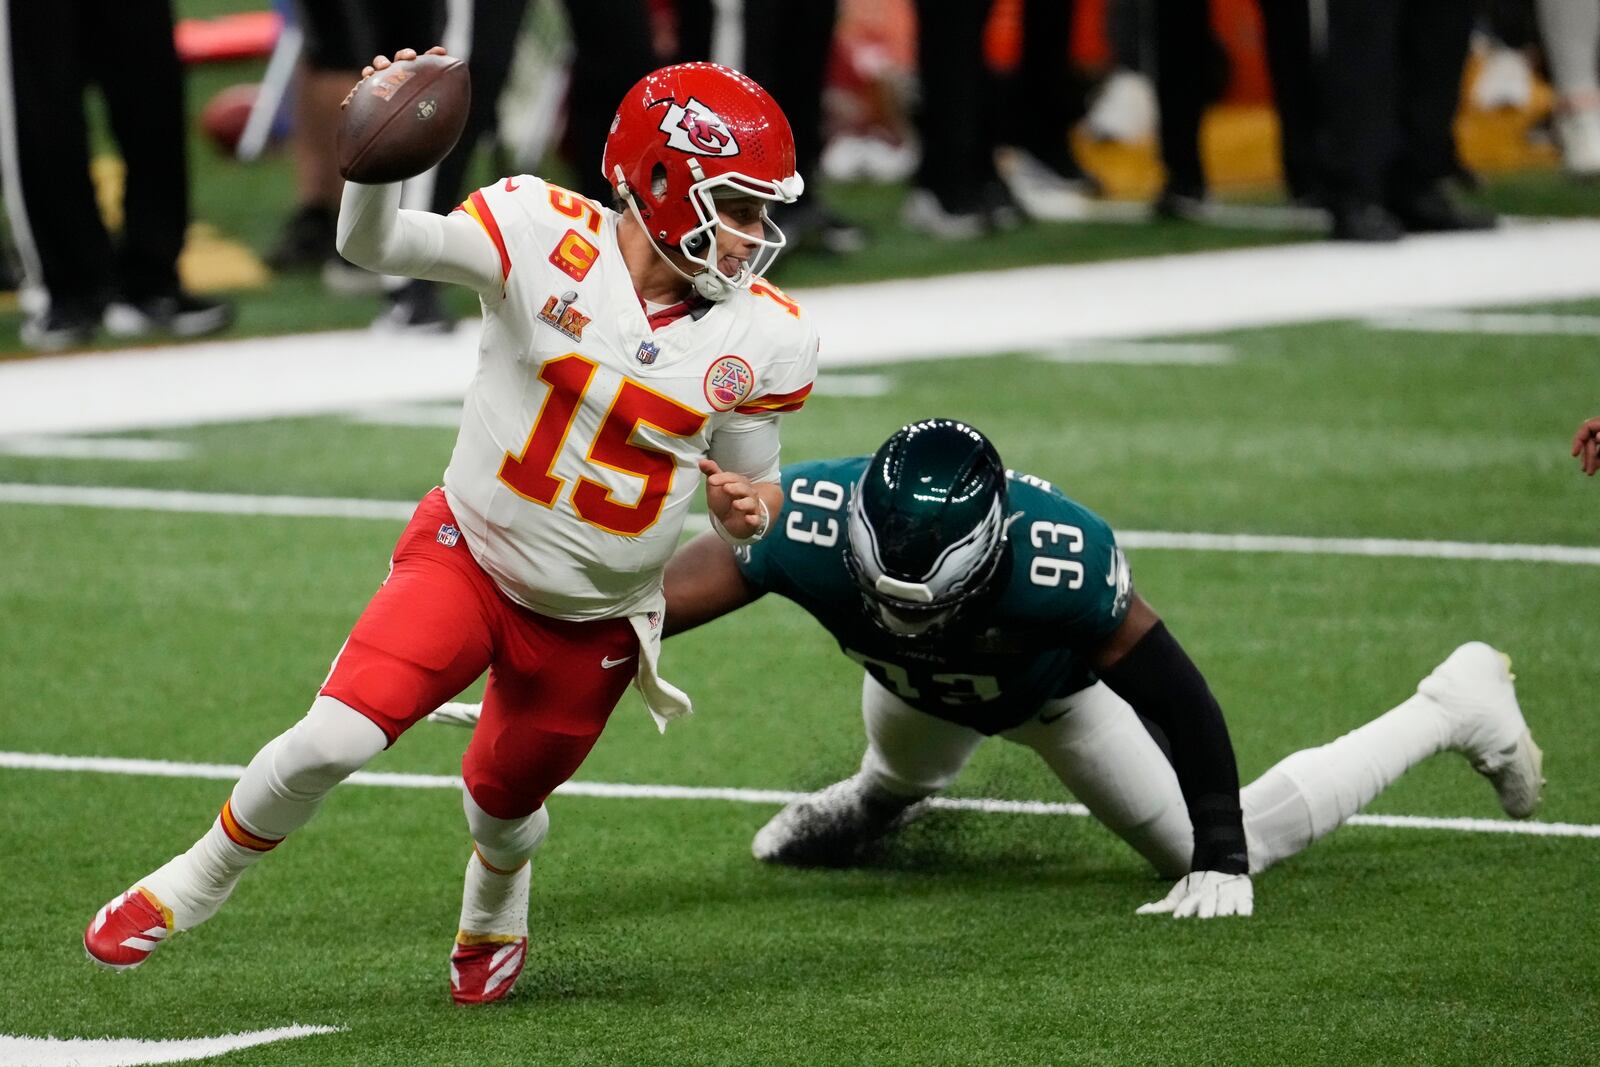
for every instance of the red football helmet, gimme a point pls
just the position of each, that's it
(686, 134)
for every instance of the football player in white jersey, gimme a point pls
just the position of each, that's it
(624, 352)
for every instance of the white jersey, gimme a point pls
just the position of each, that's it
(580, 436)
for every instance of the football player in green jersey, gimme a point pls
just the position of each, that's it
(985, 603)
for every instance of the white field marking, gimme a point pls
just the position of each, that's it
(447, 416)
(1147, 352)
(204, 503)
(1495, 322)
(861, 325)
(1361, 546)
(46, 446)
(346, 508)
(867, 385)
(39, 761)
(126, 1051)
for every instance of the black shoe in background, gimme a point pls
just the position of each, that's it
(174, 314)
(415, 307)
(307, 240)
(812, 225)
(1436, 210)
(1362, 220)
(65, 324)
(1186, 203)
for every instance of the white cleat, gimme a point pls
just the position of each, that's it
(1474, 688)
(833, 827)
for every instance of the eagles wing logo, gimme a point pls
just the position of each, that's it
(695, 128)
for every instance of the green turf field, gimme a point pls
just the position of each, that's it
(975, 938)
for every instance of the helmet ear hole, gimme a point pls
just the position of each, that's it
(658, 181)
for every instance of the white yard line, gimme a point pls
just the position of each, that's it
(400, 510)
(1025, 310)
(1492, 322)
(443, 416)
(124, 1051)
(138, 449)
(853, 385)
(38, 761)
(1360, 546)
(1154, 353)
(205, 503)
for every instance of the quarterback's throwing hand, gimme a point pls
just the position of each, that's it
(733, 501)
(1206, 895)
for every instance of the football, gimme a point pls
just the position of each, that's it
(403, 119)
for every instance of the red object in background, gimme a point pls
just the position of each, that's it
(225, 114)
(249, 35)
(1237, 24)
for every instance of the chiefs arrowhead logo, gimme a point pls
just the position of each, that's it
(695, 128)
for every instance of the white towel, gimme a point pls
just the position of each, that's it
(664, 700)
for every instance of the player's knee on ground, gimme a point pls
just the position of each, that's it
(505, 844)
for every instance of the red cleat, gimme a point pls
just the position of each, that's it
(482, 969)
(125, 931)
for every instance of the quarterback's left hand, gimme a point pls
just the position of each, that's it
(1206, 895)
(733, 501)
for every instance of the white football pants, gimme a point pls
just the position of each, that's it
(1099, 749)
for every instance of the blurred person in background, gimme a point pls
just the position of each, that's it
(1392, 78)
(1294, 49)
(1044, 100)
(786, 48)
(1191, 75)
(1571, 31)
(78, 277)
(956, 193)
(612, 50)
(340, 37)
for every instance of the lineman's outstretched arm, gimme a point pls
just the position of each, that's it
(1144, 664)
(703, 583)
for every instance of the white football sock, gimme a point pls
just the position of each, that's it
(494, 893)
(1571, 33)
(280, 790)
(1311, 793)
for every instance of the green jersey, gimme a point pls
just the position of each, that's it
(1063, 588)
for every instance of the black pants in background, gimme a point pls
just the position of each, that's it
(1392, 75)
(956, 121)
(55, 51)
(613, 51)
(786, 48)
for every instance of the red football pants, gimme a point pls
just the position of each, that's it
(438, 622)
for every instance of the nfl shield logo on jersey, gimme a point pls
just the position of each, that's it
(648, 351)
(448, 535)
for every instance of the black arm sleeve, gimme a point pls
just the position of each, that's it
(1157, 677)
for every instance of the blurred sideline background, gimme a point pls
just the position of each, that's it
(1502, 132)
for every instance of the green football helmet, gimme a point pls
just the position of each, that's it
(928, 524)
